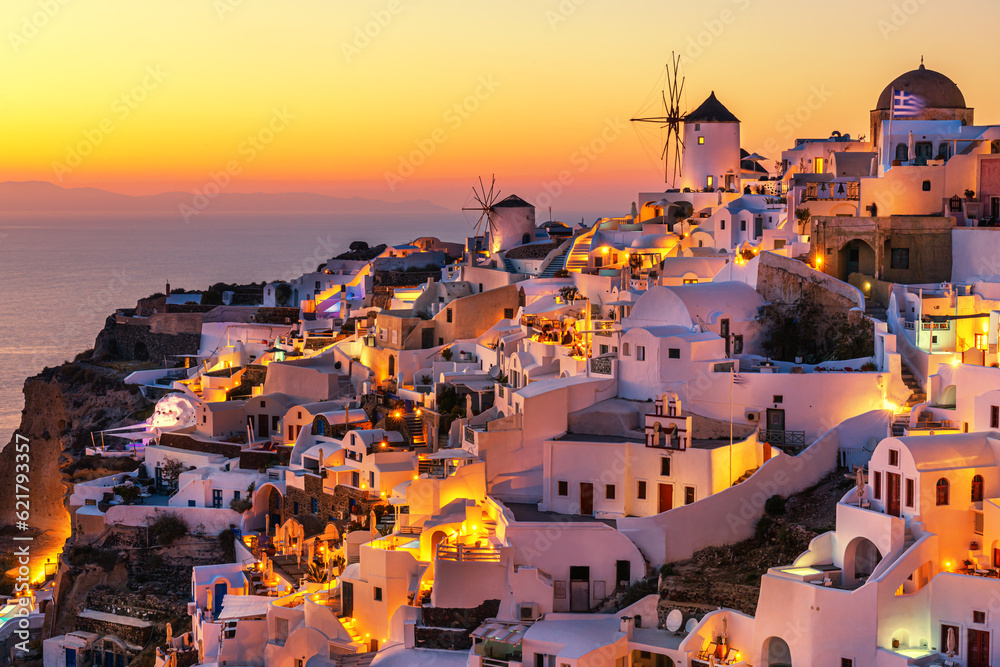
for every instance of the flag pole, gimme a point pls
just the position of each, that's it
(888, 139)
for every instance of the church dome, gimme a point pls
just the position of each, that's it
(937, 90)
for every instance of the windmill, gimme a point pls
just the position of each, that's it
(484, 204)
(671, 119)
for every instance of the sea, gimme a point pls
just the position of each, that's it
(61, 276)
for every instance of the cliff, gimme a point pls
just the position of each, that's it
(62, 406)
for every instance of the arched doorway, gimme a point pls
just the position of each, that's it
(392, 367)
(856, 256)
(776, 653)
(860, 559)
(140, 352)
(436, 538)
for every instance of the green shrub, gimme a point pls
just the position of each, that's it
(775, 505)
(168, 528)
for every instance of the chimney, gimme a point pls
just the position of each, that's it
(627, 626)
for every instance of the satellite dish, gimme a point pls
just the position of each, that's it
(691, 625)
(675, 619)
(494, 372)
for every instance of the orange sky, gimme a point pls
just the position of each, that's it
(396, 99)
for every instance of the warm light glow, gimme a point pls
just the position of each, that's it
(986, 327)
(868, 286)
(955, 361)
(397, 414)
(384, 443)
(605, 250)
(819, 261)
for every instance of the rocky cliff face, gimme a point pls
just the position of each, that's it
(62, 406)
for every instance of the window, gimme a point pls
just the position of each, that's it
(674, 353)
(480, 288)
(701, 142)
(942, 491)
(846, 662)
(640, 490)
(878, 485)
(640, 353)
(777, 398)
(697, 127)
(722, 225)
(977, 489)
(902, 152)
(692, 281)
(995, 416)
(818, 165)
(563, 488)
(979, 617)
(192, 503)
(236, 495)
(709, 181)
(738, 344)
(899, 258)
(665, 467)
(508, 313)
(743, 225)
(91, 501)
(909, 493)
(625, 349)
(280, 631)
(314, 505)
(894, 457)
(216, 498)
(688, 495)
(609, 491)
(295, 509)
(378, 594)
(926, 186)
(448, 314)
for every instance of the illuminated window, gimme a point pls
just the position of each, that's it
(709, 181)
(818, 164)
(981, 341)
(701, 141)
(691, 281)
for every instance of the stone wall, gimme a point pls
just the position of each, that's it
(130, 633)
(192, 444)
(449, 628)
(138, 342)
(335, 505)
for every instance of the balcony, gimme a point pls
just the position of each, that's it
(781, 438)
(462, 552)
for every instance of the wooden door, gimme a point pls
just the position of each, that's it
(347, 598)
(776, 422)
(979, 648)
(666, 497)
(892, 499)
(586, 498)
(579, 588)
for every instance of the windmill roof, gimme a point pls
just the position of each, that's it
(711, 111)
(513, 201)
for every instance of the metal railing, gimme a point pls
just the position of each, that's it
(601, 365)
(466, 553)
(776, 437)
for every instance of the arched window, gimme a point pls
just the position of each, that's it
(942, 491)
(977, 489)
(625, 350)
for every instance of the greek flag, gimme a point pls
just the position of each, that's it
(906, 105)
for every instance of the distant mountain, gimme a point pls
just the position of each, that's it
(44, 197)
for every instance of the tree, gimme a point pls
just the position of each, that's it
(569, 293)
(172, 469)
(803, 215)
(168, 528)
(282, 294)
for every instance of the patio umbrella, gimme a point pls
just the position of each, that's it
(859, 480)
(753, 157)
(951, 642)
(909, 146)
(170, 633)
(468, 406)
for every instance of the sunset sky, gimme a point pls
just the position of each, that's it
(142, 97)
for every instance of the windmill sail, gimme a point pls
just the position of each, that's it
(670, 120)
